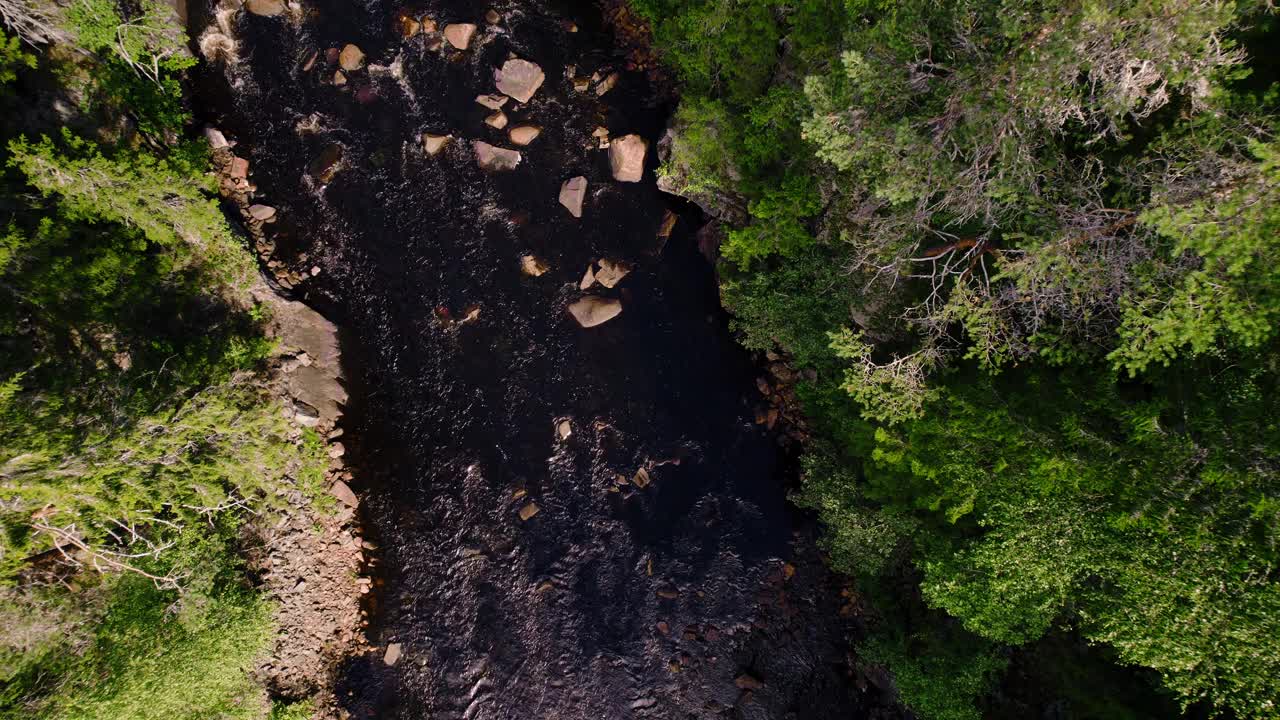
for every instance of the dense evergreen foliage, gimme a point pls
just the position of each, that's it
(1031, 251)
(136, 432)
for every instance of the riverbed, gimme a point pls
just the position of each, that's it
(570, 522)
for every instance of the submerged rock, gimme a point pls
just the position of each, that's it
(459, 34)
(572, 193)
(607, 84)
(493, 102)
(524, 134)
(626, 158)
(533, 266)
(520, 79)
(593, 310)
(408, 26)
(326, 165)
(495, 159)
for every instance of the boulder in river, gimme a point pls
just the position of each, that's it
(611, 273)
(594, 310)
(351, 58)
(265, 8)
(572, 193)
(459, 34)
(392, 655)
(497, 120)
(626, 158)
(607, 84)
(408, 25)
(533, 266)
(524, 134)
(433, 144)
(215, 137)
(492, 17)
(495, 159)
(519, 78)
(262, 213)
(326, 165)
(493, 102)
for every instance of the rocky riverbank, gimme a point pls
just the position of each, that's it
(310, 557)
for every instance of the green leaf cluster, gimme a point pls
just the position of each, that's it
(1026, 253)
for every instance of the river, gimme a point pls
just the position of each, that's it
(475, 395)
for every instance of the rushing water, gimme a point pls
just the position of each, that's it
(612, 601)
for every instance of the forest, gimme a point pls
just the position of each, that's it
(1030, 251)
(1025, 254)
(136, 432)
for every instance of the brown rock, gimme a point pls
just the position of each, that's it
(626, 158)
(668, 224)
(493, 102)
(433, 144)
(747, 681)
(265, 8)
(339, 78)
(611, 273)
(524, 134)
(408, 26)
(351, 58)
(428, 25)
(588, 278)
(607, 84)
(495, 159)
(239, 168)
(216, 138)
(529, 511)
(459, 34)
(497, 120)
(262, 213)
(572, 193)
(519, 78)
(641, 478)
(532, 266)
(392, 655)
(492, 17)
(326, 165)
(343, 492)
(593, 310)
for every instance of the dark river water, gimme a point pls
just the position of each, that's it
(700, 595)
